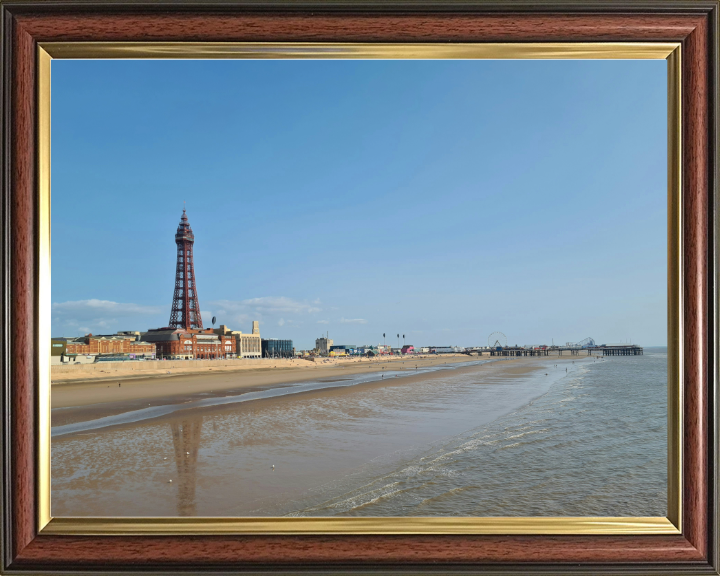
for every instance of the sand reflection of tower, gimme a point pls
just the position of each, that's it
(186, 441)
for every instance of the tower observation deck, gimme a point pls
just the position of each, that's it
(185, 311)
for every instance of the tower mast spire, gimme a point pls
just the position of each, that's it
(185, 312)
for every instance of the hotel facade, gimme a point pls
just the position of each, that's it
(182, 344)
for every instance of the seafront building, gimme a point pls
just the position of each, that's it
(277, 348)
(445, 349)
(91, 348)
(366, 350)
(246, 345)
(181, 344)
(343, 349)
(249, 345)
(323, 345)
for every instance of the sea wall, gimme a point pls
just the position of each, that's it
(148, 365)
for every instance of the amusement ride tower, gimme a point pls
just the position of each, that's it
(185, 308)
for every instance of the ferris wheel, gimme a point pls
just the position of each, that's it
(497, 339)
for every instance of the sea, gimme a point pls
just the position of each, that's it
(576, 437)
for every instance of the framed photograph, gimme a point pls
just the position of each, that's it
(443, 279)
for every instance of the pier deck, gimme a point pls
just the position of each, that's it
(607, 350)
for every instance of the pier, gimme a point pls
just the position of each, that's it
(539, 351)
(621, 350)
(604, 350)
(519, 352)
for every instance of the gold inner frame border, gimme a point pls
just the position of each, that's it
(669, 51)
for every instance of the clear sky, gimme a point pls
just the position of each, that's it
(440, 200)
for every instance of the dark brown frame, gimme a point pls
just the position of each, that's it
(694, 23)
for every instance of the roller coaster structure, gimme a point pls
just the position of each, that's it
(587, 343)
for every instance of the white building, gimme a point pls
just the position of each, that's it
(246, 345)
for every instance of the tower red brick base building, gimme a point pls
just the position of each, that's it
(191, 344)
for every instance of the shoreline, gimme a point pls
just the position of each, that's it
(82, 392)
(273, 394)
(75, 402)
(152, 399)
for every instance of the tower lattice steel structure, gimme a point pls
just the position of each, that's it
(185, 307)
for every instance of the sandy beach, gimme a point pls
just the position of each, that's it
(175, 385)
(337, 424)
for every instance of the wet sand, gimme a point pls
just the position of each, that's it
(103, 397)
(220, 458)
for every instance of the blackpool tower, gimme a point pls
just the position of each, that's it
(185, 308)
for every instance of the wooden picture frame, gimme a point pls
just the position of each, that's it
(29, 547)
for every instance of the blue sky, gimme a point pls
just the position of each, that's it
(443, 200)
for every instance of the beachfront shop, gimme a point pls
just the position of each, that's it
(343, 350)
